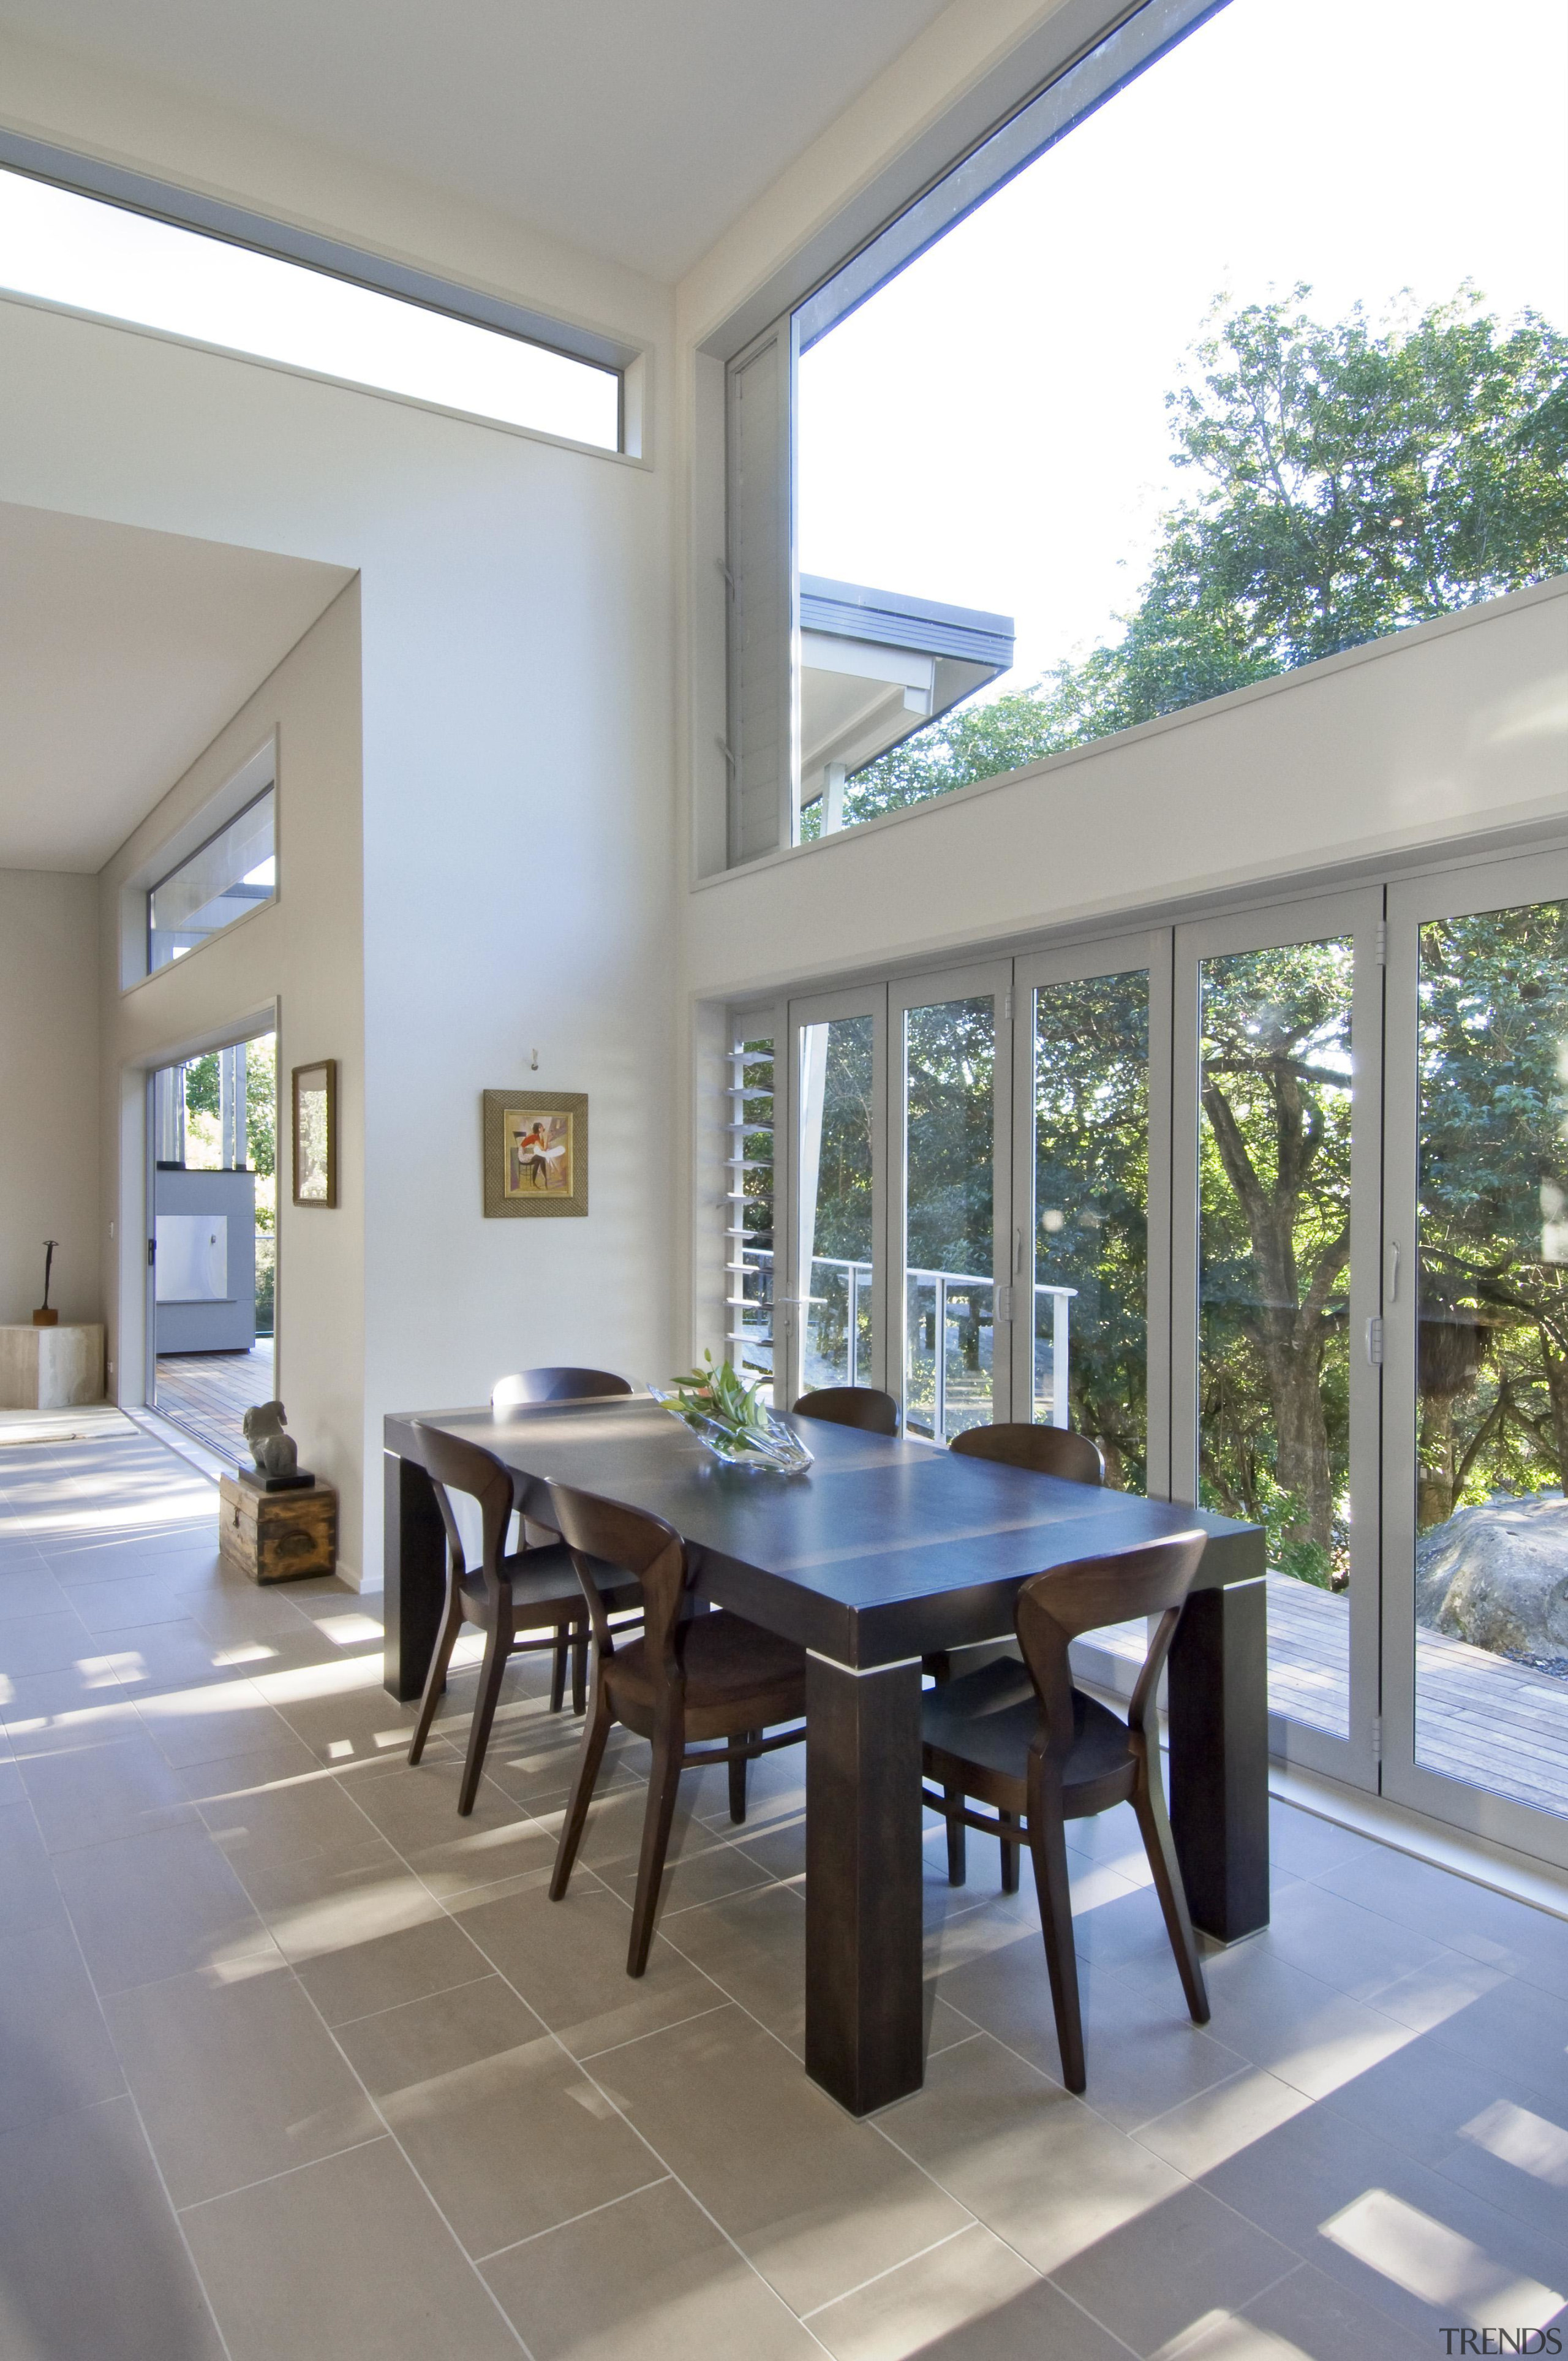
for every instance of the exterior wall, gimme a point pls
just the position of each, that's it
(49, 1113)
(297, 962)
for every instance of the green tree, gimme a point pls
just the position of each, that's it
(1345, 483)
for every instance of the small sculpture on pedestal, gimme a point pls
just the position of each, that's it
(274, 1450)
(43, 1317)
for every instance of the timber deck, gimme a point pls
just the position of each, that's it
(209, 1394)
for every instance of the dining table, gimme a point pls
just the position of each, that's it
(880, 1552)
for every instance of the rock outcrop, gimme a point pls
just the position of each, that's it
(1497, 1575)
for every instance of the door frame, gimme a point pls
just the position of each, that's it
(1358, 913)
(1453, 891)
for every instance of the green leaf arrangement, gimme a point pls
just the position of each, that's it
(718, 1393)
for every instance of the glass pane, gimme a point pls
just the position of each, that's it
(100, 257)
(218, 884)
(1492, 1382)
(750, 1204)
(1274, 1282)
(950, 1334)
(1091, 1165)
(836, 1085)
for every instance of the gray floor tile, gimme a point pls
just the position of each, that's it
(55, 2050)
(1401, 2238)
(235, 2081)
(1279, 2017)
(1465, 1916)
(506, 2133)
(28, 1894)
(345, 2260)
(1151, 2282)
(137, 1600)
(416, 1811)
(46, 1642)
(86, 1796)
(1306, 2318)
(62, 1713)
(275, 1818)
(1302, 1842)
(1511, 2026)
(816, 2202)
(963, 2284)
(647, 2280)
(1145, 2054)
(753, 1947)
(569, 1960)
(1034, 2164)
(158, 1905)
(90, 2258)
(1355, 1950)
(207, 1722)
(285, 1758)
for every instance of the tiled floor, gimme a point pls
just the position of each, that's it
(296, 2066)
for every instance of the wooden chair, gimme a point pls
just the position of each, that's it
(1048, 1450)
(548, 1385)
(702, 1676)
(504, 1596)
(1022, 1738)
(555, 1385)
(866, 1407)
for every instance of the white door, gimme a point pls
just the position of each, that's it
(951, 1301)
(1274, 1254)
(1475, 1312)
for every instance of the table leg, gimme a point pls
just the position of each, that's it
(864, 2038)
(415, 1574)
(1219, 1757)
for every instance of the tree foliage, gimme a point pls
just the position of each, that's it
(1344, 482)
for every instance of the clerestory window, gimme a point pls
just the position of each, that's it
(1243, 342)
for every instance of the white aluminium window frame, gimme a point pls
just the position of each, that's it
(280, 241)
(761, 739)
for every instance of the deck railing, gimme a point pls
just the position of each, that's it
(934, 1296)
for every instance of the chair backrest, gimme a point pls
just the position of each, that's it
(1059, 1607)
(454, 1465)
(866, 1407)
(642, 1545)
(1048, 1450)
(555, 1385)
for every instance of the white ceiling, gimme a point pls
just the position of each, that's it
(122, 653)
(638, 129)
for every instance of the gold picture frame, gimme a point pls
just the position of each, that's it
(315, 1128)
(536, 1153)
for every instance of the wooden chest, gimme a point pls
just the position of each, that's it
(278, 1536)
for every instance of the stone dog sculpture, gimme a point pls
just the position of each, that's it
(274, 1451)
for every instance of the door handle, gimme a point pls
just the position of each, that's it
(1392, 1291)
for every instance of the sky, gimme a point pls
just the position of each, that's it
(990, 429)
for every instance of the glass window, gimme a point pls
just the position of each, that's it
(232, 872)
(100, 257)
(1202, 393)
(949, 1117)
(838, 1259)
(1091, 1176)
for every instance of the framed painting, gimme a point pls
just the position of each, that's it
(536, 1152)
(315, 1133)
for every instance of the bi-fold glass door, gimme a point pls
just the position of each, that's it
(1276, 1094)
(1475, 1372)
(831, 1315)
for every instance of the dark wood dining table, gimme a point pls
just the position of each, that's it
(879, 1554)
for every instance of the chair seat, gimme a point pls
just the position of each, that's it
(991, 1718)
(544, 1587)
(726, 1661)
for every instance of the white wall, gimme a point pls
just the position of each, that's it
(301, 958)
(49, 1113)
(515, 676)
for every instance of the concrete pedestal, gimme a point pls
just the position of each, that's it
(50, 1368)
